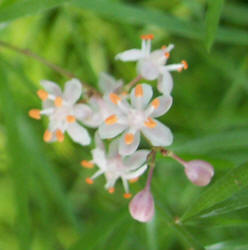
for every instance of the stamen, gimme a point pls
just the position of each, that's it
(111, 190)
(89, 181)
(34, 113)
(185, 64)
(59, 135)
(42, 94)
(129, 138)
(150, 123)
(156, 103)
(87, 164)
(70, 118)
(127, 195)
(147, 37)
(47, 136)
(111, 120)
(163, 47)
(134, 180)
(114, 98)
(139, 91)
(167, 54)
(58, 101)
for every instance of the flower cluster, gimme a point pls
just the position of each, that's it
(123, 117)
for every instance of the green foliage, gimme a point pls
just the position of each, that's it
(44, 201)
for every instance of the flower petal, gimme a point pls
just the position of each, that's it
(130, 55)
(51, 87)
(98, 142)
(72, 91)
(148, 69)
(113, 148)
(108, 84)
(82, 111)
(127, 149)
(47, 104)
(135, 174)
(110, 131)
(141, 100)
(165, 83)
(165, 103)
(159, 135)
(136, 159)
(99, 158)
(78, 134)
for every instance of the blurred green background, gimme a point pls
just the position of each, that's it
(44, 201)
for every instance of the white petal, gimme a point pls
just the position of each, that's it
(165, 83)
(98, 142)
(108, 84)
(78, 134)
(136, 159)
(72, 91)
(110, 131)
(99, 158)
(165, 103)
(158, 136)
(47, 104)
(51, 87)
(113, 148)
(135, 174)
(148, 68)
(81, 111)
(127, 149)
(130, 55)
(141, 102)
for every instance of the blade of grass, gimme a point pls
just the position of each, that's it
(212, 21)
(234, 181)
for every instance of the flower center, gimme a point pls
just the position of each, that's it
(136, 118)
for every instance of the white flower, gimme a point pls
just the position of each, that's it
(139, 117)
(113, 166)
(152, 65)
(100, 107)
(63, 112)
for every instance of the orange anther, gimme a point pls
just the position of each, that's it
(34, 113)
(129, 138)
(58, 101)
(150, 123)
(111, 120)
(124, 93)
(89, 181)
(114, 98)
(185, 64)
(139, 90)
(43, 95)
(70, 118)
(163, 47)
(155, 103)
(59, 135)
(87, 164)
(167, 54)
(147, 37)
(47, 136)
(134, 180)
(127, 195)
(111, 190)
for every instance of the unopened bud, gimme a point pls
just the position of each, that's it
(199, 172)
(141, 206)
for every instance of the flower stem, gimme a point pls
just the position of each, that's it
(54, 67)
(133, 82)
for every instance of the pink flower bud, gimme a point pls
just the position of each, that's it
(199, 172)
(141, 206)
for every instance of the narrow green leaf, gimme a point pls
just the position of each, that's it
(26, 8)
(215, 143)
(236, 13)
(238, 244)
(212, 20)
(234, 181)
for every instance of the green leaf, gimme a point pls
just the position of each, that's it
(236, 13)
(234, 181)
(238, 244)
(27, 8)
(227, 140)
(212, 20)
